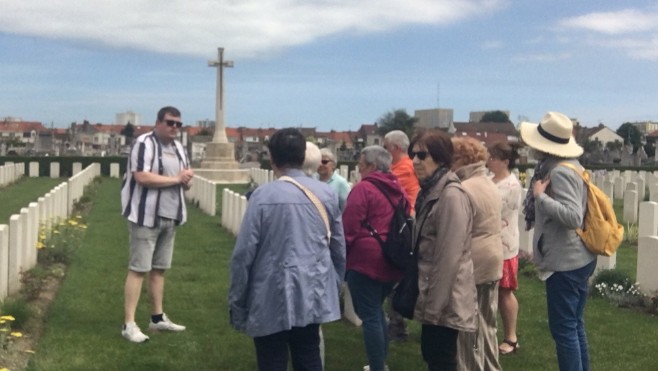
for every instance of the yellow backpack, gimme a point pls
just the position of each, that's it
(601, 233)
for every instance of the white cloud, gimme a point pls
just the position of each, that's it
(541, 57)
(637, 48)
(614, 23)
(633, 31)
(493, 44)
(249, 28)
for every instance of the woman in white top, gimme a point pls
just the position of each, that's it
(501, 161)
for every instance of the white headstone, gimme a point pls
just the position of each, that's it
(647, 256)
(648, 220)
(4, 258)
(605, 262)
(54, 169)
(114, 170)
(630, 206)
(77, 167)
(608, 188)
(653, 192)
(34, 169)
(641, 190)
(619, 188)
(525, 237)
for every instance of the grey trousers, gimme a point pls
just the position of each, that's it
(478, 351)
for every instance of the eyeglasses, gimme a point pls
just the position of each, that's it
(172, 123)
(324, 162)
(422, 155)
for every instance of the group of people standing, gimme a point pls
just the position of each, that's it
(305, 234)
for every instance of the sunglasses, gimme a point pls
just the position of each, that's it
(172, 123)
(422, 155)
(324, 162)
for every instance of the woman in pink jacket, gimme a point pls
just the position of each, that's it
(369, 276)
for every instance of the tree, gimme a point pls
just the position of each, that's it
(397, 120)
(495, 116)
(128, 131)
(631, 134)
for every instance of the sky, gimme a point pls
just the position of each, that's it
(328, 64)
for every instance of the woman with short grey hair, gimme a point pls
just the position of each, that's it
(370, 277)
(377, 156)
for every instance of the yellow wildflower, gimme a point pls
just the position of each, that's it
(4, 369)
(29, 351)
(56, 231)
(79, 216)
(40, 245)
(8, 318)
(73, 222)
(16, 334)
(4, 330)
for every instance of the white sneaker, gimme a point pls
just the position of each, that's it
(367, 368)
(165, 325)
(132, 333)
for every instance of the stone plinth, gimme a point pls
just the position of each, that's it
(219, 165)
(224, 176)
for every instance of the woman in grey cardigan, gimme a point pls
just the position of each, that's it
(556, 207)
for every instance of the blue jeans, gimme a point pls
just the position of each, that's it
(566, 295)
(368, 296)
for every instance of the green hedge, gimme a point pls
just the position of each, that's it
(66, 163)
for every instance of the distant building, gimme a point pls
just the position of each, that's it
(646, 127)
(128, 117)
(476, 116)
(441, 118)
(488, 132)
(605, 135)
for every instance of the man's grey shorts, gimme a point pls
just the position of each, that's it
(151, 248)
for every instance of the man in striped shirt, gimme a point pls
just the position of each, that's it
(157, 173)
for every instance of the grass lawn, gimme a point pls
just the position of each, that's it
(83, 327)
(20, 194)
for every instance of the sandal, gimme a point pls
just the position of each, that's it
(513, 344)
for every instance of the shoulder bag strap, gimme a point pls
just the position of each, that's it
(315, 200)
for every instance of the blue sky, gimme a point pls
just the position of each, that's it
(329, 64)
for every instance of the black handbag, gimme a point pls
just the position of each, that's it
(406, 291)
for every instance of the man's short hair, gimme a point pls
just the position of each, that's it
(173, 111)
(287, 148)
(399, 138)
(378, 156)
(328, 153)
(312, 159)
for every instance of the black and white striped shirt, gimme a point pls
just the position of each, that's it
(140, 204)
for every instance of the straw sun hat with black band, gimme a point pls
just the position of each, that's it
(553, 135)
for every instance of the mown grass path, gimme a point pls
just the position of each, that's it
(18, 195)
(83, 328)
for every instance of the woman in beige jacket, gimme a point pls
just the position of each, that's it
(479, 351)
(446, 304)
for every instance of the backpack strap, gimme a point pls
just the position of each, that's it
(315, 200)
(365, 224)
(574, 168)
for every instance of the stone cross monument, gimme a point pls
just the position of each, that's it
(219, 162)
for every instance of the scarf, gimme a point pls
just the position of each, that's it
(541, 171)
(427, 184)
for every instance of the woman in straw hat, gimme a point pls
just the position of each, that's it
(555, 206)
